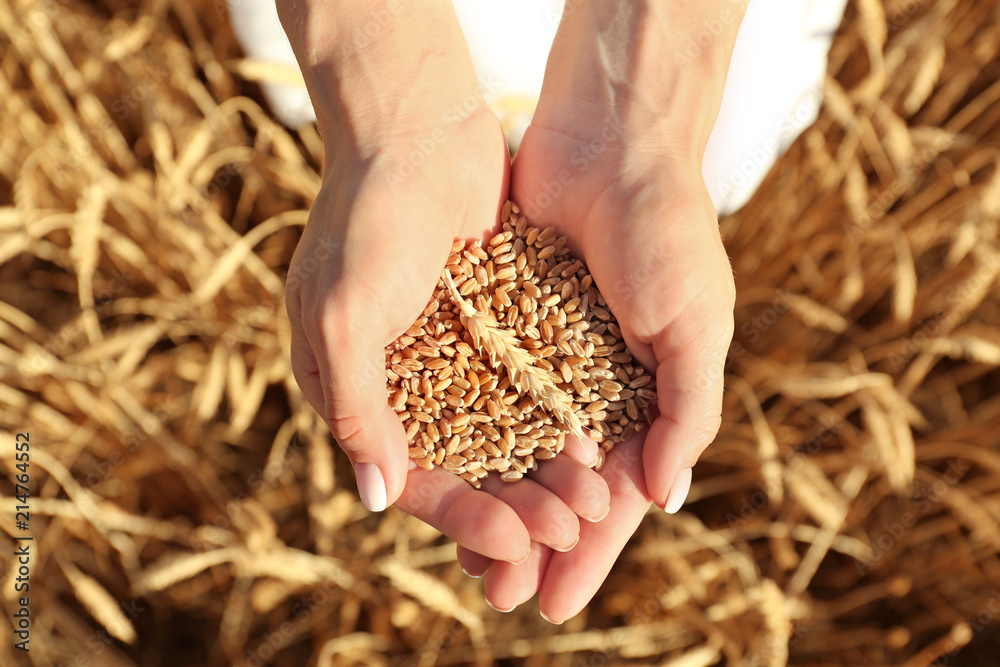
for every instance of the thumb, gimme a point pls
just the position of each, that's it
(691, 358)
(357, 411)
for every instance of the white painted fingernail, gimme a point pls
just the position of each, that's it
(678, 492)
(599, 518)
(522, 561)
(570, 547)
(502, 611)
(371, 486)
(542, 613)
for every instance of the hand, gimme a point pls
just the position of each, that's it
(401, 182)
(619, 173)
(651, 241)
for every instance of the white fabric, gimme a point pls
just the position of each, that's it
(259, 32)
(773, 93)
(509, 42)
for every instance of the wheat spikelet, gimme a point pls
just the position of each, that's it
(501, 344)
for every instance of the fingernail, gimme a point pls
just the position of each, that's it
(599, 518)
(542, 614)
(570, 547)
(371, 486)
(474, 576)
(410, 465)
(502, 611)
(678, 492)
(522, 561)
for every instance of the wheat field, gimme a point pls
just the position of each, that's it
(187, 507)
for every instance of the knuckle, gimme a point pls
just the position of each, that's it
(717, 334)
(349, 431)
(704, 428)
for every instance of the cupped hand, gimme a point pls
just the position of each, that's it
(643, 221)
(641, 217)
(378, 236)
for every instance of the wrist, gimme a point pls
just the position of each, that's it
(651, 72)
(381, 72)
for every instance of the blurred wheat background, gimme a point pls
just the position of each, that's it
(190, 509)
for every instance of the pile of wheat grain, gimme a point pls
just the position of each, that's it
(523, 351)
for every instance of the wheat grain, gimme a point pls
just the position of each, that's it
(501, 344)
(515, 350)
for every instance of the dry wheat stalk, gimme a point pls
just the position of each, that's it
(515, 350)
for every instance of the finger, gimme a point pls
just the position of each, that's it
(691, 357)
(351, 365)
(572, 579)
(474, 519)
(304, 368)
(507, 585)
(582, 449)
(547, 518)
(473, 564)
(583, 490)
(479, 226)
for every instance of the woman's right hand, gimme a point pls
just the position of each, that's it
(404, 177)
